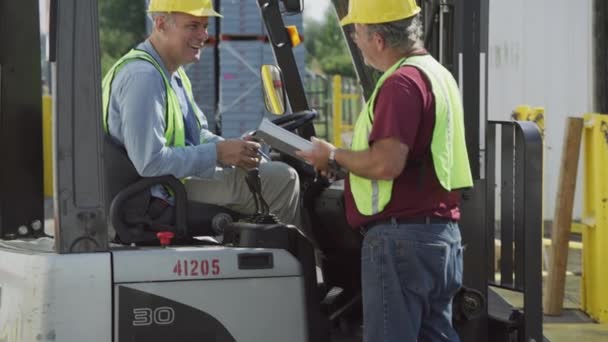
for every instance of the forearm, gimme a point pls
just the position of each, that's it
(200, 161)
(363, 163)
(385, 159)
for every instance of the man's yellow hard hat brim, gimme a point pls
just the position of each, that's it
(197, 8)
(379, 11)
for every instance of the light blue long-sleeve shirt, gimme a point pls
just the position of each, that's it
(136, 118)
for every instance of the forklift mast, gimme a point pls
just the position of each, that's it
(271, 12)
(80, 217)
(21, 203)
(80, 206)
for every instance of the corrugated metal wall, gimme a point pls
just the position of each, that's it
(540, 54)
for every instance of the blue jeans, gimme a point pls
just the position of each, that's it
(410, 272)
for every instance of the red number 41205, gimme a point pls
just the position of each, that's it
(193, 268)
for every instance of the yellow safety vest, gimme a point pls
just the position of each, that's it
(448, 147)
(174, 119)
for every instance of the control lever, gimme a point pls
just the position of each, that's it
(262, 210)
(255, 186)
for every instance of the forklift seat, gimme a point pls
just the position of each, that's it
(128, 198)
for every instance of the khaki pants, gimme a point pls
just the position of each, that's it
(280, 189)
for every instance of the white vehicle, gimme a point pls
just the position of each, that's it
(77, 286)
(262, 283)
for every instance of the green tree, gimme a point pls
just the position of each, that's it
(122, 24)
(326, 47)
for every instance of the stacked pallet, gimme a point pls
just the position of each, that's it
(243, 49)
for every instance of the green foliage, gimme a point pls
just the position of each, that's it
(326, 46)
(122, 24)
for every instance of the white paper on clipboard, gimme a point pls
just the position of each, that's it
(281, 139)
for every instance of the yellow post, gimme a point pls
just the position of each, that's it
(534, 114)
(537, 115)
(337, 110)
(47, 144)
(520, 113)
(594, 293)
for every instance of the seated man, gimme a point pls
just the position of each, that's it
(148, 107)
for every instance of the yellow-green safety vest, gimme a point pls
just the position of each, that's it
(448, 147)
(174, 120)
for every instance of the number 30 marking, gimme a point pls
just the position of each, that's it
(160, 316)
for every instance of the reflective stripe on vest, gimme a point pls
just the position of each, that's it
(448, 147)
(174, 119)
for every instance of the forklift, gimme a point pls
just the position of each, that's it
(78, 285)
(261, 283)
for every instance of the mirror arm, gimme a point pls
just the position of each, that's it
(278, 34)
(52, 39)
(293, 6)
(283, 53)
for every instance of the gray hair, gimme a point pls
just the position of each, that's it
(168, 17)
(403, 35)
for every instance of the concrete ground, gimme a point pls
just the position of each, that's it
(573, 324)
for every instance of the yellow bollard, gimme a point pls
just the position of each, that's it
(521, 113)
(344, 116)
(47, 144)
(534, 114)
(594, 293)
(337, 110)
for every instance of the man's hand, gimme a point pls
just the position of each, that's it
(318, 157)
(237, 152)
(385, 159)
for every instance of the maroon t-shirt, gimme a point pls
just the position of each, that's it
(405, 110)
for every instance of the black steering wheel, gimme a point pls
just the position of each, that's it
(293, 121)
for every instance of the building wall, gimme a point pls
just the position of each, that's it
(540, 54)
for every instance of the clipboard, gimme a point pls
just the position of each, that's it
(281, 139)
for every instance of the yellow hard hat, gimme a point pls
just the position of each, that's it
(197, 8)
(379, 11)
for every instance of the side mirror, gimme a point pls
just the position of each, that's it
(274, 92)
(293, 6)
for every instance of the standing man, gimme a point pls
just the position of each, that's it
(408, 157)
(149, 108)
